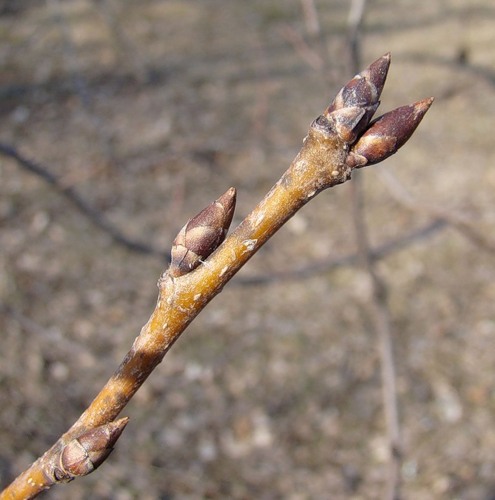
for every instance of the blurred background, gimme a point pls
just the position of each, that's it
(127, 118)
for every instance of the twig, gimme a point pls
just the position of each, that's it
(79, 82)
(196, 275)
(307, 54)
(325, 265)
(354, 23)
(378, 305)
(380, 315)
(50, 336)
(124, 45)
(311, 17)
(315, 53)
(95, 216)
(459, 222)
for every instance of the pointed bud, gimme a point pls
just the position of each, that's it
(363, 91)
(387, 134)
(84, 454)
(201, 236)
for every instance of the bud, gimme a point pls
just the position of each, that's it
(341, 122)
(201, 236)
(387, 134)
(363, 91)
(82, 455)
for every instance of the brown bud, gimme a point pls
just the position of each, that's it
(202, 234)
(387, 134)
(363, 91)
(85, 453)
(341, 122)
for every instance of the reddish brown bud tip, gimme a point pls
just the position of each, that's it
(201, 236)
(378, 72)
(84, 454)
(387, 134)
(363, 91)
(365, 88)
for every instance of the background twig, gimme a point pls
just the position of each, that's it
(71, 195)
(377, 306)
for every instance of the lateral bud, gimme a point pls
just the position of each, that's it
(82, 455)
(387, 134)
(202, 235)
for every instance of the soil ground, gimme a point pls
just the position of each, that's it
(152, 109)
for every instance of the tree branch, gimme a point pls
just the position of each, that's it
(338, 141)
(378, 302)
(94, 215)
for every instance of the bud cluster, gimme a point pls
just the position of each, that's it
(350, 114)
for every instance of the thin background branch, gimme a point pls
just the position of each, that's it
(378, 307)
(459, 222)
(98, 218)
(88, 210)
(81, 88)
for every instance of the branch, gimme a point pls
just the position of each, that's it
(378, 303)
(101, 222)
(453, 218)
(317, 267)
(338, 141)
(94, 215)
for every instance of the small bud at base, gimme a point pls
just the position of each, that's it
(82, 455)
